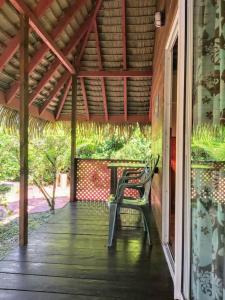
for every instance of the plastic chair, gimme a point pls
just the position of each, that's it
(141, 204)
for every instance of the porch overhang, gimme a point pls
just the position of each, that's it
(108, 45)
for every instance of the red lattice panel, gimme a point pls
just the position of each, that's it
(93, 180)
(211, 177)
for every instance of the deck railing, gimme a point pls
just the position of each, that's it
(93, 179)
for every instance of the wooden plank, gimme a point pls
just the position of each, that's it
(124, 40)
(73, 141)
(37, 27)
(44, 49)
(13, 43)
(56, 265)
(63, 100)
(54, 92)
(116, 74)
(103, 87)
(84, 98)
(27, 295)
(97, 7)
(24, 120)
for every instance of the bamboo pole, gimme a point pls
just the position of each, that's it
(24, 120)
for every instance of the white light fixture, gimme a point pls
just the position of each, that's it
(159, 19)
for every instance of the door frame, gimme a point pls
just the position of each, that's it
(178, 29)
(168, 80)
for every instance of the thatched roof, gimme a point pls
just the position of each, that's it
(102, 48)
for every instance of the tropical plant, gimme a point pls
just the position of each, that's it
(208, 143)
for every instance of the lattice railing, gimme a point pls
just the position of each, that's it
(93, 179)
(208, 181)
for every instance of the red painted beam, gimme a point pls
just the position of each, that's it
(47, 39)
(2, 2)
(124, 34)
(117, 119)
(33, 110)
(125, 97)
(42, 6)
(54, 92)
(116, 74)
(13, 43)
(71, 45)
(104, 96)
(97, 7)
(84, 98)
(63, 100)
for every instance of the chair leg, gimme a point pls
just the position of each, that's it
(112, 222)
(143, 222)
(146, 215)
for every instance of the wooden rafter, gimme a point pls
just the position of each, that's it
(64, 97)
(104, 96)
(34, 62)
(54, 92)
(116, 74)
(2, 2)
(33, 110)
(13, 43)
(47, 39)
(84, 97)
(124, 49)
(84, 45)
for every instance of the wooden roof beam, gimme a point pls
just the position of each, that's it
(47, 39)
(104, 96)
(54, 92)
(124, 34)
(63, 100)
(13, 43)
(70, 46)
(84, 45)
(33, 110)
(84, 98)
(116, 74)
(116, 119)
(2, 2)
(124, 56)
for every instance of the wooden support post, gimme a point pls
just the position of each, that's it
(24, 121)
(73, 176)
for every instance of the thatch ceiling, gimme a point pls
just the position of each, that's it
(118, 38)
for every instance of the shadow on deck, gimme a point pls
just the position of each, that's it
(68, 258)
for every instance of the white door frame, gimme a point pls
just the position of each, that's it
(177, 30)
(168, 80)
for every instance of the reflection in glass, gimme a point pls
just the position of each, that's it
(208, 152)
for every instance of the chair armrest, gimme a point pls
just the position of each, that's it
(123, 186)
(130, 171)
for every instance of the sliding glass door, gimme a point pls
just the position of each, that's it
(207, 205)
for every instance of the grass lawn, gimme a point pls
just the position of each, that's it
(9, 233)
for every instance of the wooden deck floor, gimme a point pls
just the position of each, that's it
(68, 258)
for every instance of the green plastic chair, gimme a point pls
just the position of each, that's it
(142, 204)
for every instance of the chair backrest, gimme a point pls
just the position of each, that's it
(149, 173)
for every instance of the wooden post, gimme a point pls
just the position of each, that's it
(73, 168)
(24, 120)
